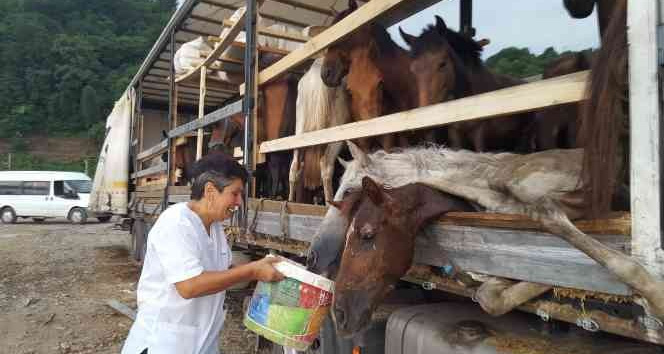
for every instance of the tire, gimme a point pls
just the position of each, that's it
(7, 215)
(103, 218)
(38, 220)
(77, 216)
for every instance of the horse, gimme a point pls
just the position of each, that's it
(383, 221)
(318, 107)
(544, 186)
(583, 9)
(557, 127)
(370, 61)
(604, 131)
(447, 65)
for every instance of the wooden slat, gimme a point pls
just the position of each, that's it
(220, 48)
(150, 188)
(178, 198)
(523, 255)
(227, 111)
(150, 171)
(263, 14)
(306, 6)
(616, 224)
(157, 149)
(645, 134)
(291, 36)
(526, 97)
(343, 28)
(185, 190)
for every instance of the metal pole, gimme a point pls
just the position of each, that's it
(9, 162)
(249, 101)
(466, 19)
(171, 113)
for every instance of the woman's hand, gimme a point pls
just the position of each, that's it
(264, 270)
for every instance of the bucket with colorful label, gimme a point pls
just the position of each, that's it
(290, 312)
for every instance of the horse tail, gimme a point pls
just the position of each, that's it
(603, 115)
(311, 169)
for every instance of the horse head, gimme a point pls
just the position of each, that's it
(380, 243)
(439, 62)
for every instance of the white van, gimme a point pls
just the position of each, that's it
(45, 194)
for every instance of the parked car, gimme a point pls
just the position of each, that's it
(46, 194)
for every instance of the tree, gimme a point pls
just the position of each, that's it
(90, 112)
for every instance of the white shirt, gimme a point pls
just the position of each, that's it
(179, 248)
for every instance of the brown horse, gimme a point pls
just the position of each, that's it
(383, 221)
(583, 9)
(371, 62)
(604, 123)
(557, 127)
(446, 65)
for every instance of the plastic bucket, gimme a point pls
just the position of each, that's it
(290, 312)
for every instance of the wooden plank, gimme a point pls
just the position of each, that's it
(263, 14)
(421, 274)
(338, 31)
(150, 171)
(179, 190)
(645, 131)
(615, 224)
(225, 112)
(523, 255)
(291, 36)
(178, 198)
(150, 188)
(155, 150)
(220, 48)
(526, 97)
(306, 6)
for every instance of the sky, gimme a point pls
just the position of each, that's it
(533, 24)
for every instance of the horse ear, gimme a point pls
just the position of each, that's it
(357, 153)
(352, 5)
(440, 25)
(409, 39)
(373, 190)
(343, 162)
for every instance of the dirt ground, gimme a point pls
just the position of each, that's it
(55, 279)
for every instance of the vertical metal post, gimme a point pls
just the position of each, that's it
(466, 20)
(645, 128)
(250, 61)
(172, 112)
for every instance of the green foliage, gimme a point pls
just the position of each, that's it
(521, 62)
(64, 63)
(26, 162)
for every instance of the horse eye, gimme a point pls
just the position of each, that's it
(367, 235)
(443, 64)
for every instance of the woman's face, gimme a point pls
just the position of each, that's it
(223, 203)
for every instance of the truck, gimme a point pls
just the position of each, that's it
(166, 112)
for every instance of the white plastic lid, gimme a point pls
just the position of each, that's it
(298, 271)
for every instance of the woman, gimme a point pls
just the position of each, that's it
(181, 290)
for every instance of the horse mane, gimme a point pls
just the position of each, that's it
(386, 45)
(603, 114)
(465, 47)
(318, 107)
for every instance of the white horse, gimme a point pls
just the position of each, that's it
(318, 107)
(545, 186)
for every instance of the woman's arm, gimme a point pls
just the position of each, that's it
(211, 282)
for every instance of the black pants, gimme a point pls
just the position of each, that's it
(145, 351)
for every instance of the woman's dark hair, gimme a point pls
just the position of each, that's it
(217, 169)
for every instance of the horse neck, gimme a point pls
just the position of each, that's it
(482, 80)
(397, 80)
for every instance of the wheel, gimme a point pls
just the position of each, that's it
(78, 216)
(103, 218)
(7, 215)
(39, 220)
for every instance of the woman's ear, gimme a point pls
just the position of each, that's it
(209, 189)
